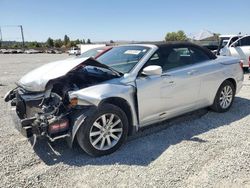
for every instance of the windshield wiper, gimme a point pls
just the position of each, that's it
(115, 71)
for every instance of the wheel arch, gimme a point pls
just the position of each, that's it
(215, 105)
(124, 106)
(232, 80)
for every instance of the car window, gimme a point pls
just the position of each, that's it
(178, 57)
(154, 60)
(233, 40)
(223, 42)
(170, 58)
(244, 41)
(198, 56)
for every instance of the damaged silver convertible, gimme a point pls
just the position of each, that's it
(99, 102)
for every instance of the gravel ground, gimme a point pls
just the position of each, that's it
(201, 149)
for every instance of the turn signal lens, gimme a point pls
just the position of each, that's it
(73, 102)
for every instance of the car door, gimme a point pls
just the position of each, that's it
(241, 49)
(174, 92)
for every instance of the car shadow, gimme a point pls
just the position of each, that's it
(148, 144)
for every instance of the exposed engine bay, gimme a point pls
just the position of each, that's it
(79, 78)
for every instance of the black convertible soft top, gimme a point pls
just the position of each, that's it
(186, 44)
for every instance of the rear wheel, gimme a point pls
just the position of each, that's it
(104, 131)
(224, 97)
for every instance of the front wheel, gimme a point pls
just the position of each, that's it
(224, 97)
(104, 131)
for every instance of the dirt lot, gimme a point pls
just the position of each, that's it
(201, 149)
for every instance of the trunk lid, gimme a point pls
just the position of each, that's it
(226, 60)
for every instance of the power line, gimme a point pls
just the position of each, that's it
(1, 37)
(21, 29)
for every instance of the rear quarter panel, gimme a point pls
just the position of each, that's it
(215, 73)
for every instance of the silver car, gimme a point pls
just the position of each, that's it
(100, 102)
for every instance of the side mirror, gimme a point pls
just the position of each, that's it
(152, 70)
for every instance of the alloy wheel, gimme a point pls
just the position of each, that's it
(106, 131)
(226, 97)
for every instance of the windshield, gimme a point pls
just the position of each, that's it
(91, 53)
(123, 58)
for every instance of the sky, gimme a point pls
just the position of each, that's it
(104, 20)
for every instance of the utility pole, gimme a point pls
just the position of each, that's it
(1, 38)
(21, 27)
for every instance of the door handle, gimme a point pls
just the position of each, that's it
(166, 76)
(192, 72)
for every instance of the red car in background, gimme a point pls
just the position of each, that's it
(96, 52)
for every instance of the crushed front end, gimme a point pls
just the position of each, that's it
(41, 114)
(45, 102)
(42, 99)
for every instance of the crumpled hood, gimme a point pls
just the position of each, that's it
(37, 79)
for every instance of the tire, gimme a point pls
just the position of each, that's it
(93, 131)
(219, 106)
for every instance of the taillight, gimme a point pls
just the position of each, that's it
(59, 126)
(241, 64)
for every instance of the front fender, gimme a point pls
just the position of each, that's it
(77, 119)
(94, 95)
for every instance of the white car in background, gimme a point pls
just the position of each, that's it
(236, 46)
(74, 51)
(32, 51)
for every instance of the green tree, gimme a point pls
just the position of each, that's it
(15, 46)
(88, 41)
(50, 42)
(111, 42)
(38, 45)
(66, 40)
(83, 41)
(176, 36)
(72, 44)
(77, 41)
(58, 43)
(34, 44)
